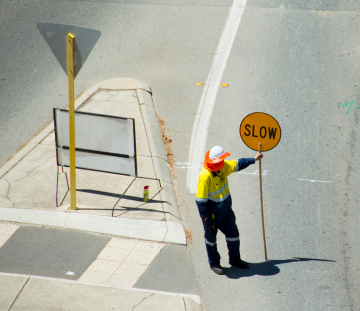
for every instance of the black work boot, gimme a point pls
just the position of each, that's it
(241, 264)
(217, 269)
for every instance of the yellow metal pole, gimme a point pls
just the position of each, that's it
(262, 207)
(71, 78)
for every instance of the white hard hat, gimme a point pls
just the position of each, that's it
(216, 152)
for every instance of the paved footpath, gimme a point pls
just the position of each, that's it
(108, 253)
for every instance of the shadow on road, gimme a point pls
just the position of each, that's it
(118, 195)
(266, 268)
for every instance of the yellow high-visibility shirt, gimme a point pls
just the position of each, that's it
(213, 193)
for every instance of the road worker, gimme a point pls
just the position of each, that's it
(214, 203)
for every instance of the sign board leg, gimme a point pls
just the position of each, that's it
(262, 207)
(71, 78)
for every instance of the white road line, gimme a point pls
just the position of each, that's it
(255, 174)
(311, 180)
(207, 101)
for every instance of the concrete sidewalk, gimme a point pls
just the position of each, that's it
(24, 292)
(28, 182)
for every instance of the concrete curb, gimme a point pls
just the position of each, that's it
(170, 231)
(192, 302)
(159, 156)
(176, 233)
(131, 228)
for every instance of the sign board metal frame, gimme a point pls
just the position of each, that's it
(60, 147)
(88, 150)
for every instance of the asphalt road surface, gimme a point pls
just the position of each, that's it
(296, 60)
(50, 252)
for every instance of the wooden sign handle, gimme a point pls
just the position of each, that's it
(262, 207)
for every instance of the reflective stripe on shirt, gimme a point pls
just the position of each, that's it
(220, 199)
(220, 190)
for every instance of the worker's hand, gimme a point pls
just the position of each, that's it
(259, 156)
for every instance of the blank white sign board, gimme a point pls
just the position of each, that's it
(102, 143)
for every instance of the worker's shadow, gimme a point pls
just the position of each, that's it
(266, 268)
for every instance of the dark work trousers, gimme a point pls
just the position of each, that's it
(227, 225)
